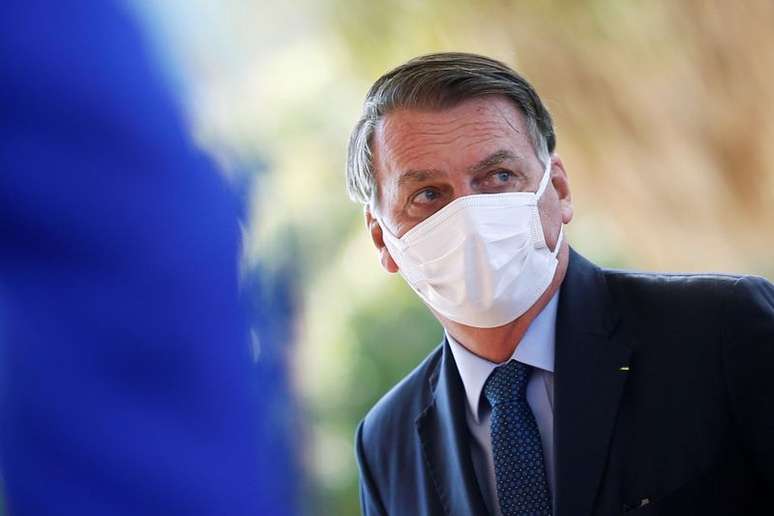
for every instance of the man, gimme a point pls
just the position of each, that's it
(560, 387)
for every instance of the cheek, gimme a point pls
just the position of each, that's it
(549, 208)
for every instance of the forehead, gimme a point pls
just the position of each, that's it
(448, 139)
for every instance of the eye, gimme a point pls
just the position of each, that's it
(426, 196)
(499, 180)
(503, 176)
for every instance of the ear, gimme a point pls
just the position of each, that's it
(375, 230)
(562, 186)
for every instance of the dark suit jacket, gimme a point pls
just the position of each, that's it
(688, 429)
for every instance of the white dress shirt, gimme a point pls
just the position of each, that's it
(536, 349)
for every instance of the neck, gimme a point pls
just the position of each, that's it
(498, 344)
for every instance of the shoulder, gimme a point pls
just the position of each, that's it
(748, 312)
(752, 291)
(676, 291)
(385, 450)
(704, 305)
(659, 282)
(394, 414)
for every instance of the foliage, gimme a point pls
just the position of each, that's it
(664, 110)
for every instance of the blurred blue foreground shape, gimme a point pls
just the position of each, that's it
(125, 373)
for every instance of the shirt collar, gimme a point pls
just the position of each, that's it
(536, 349)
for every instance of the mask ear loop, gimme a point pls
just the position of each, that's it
(541, 189)
(544, 180)
(539, 229)
(537, 226)
(559, 239)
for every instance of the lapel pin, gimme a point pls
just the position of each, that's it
(623, 368)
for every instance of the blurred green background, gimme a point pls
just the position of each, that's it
(664, 116)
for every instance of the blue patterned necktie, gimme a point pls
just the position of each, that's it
(522, 488)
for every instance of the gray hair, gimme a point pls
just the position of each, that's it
(439, 81)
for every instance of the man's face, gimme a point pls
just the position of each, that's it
(423, 160)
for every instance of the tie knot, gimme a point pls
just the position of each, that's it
(507, 383)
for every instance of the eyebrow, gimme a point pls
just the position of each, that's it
(492, 160)
(419, 176)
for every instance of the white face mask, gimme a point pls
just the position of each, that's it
(481, 260)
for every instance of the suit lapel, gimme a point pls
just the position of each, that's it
(589, 384)
(444, 436)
